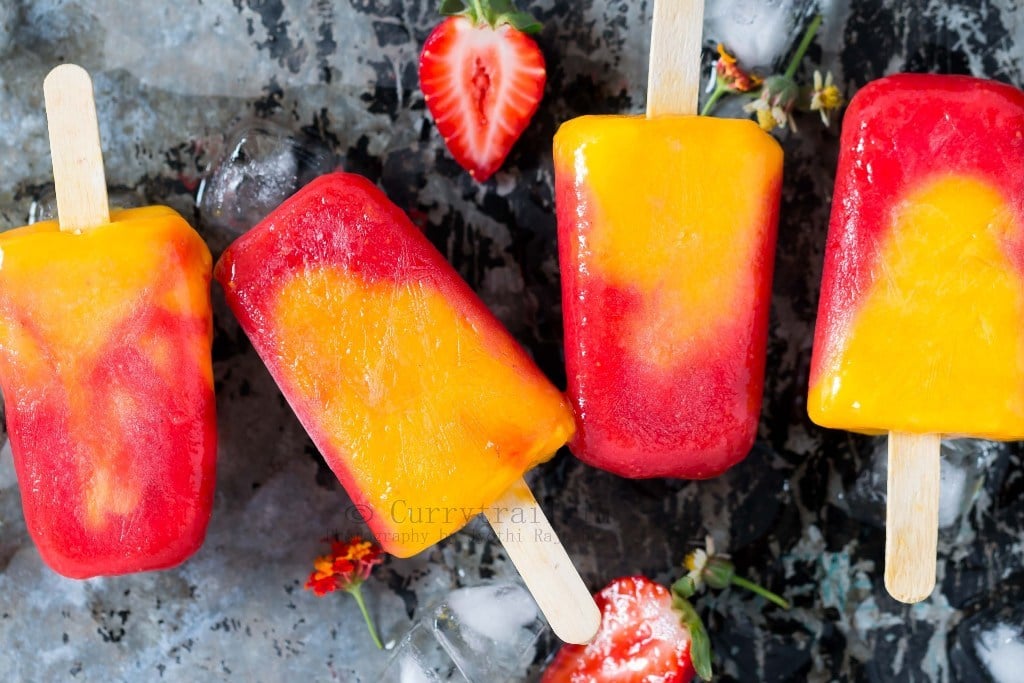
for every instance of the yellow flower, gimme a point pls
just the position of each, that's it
(825, 98)
(770, 115)
(358, 551)
(774, 105)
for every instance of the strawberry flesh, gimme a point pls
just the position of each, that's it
(482, 86)
(641, 640)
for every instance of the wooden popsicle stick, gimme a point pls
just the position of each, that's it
(78, 175)
(547, 571)
(912, 515)
(673, 76)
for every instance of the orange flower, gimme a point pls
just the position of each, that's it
(348, 565)
(346, 568)
(731, 76)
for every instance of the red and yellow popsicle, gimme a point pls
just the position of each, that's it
(420, 401)
(921, 319)
(666, 240)
(666, 254)
(105, 333)
(919, 329)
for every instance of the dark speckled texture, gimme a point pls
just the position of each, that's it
(173, 77)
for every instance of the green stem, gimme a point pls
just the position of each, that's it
(763, 592)
(719, 91)
(478, 9)
(801, 50)
(357, 593)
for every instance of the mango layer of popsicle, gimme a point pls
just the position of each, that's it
(921, 320)
(666, 233)
(419, 400)
(105, 366)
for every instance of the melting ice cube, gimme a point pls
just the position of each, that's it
(262, 165)
(490, 631)
(419, 658)
(480, 634)
(964, 465)
(44, 206)
(758, 32)
(1001, 651)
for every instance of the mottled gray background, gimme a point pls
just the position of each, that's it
(802, 514)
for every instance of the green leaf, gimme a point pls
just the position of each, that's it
(450, 8)
(499, 7)
(700, 644)
(494, 13)
(521, 21)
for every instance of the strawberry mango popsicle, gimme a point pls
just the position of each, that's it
(105, 366)
(419, 400)
(922, 298)
(666, 234)
(105, 334)
(919, 330)
(666, 242)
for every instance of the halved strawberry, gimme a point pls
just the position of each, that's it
(642, 639)
(482, 79)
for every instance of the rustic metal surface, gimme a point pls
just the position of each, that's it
(800, 515)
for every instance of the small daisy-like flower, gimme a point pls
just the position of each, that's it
(825, 97)
(706, 567)
(697, 561)
(345, 568)
(774, 107)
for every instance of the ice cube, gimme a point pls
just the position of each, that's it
(419, 658)
(262, 165)
(1001, 651)
(490, 631)
(964, 465)
(758, 32)
(44, 206)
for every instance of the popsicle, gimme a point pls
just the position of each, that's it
(105, 332)
(919, 330)
(666, 238)
(422, 404)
